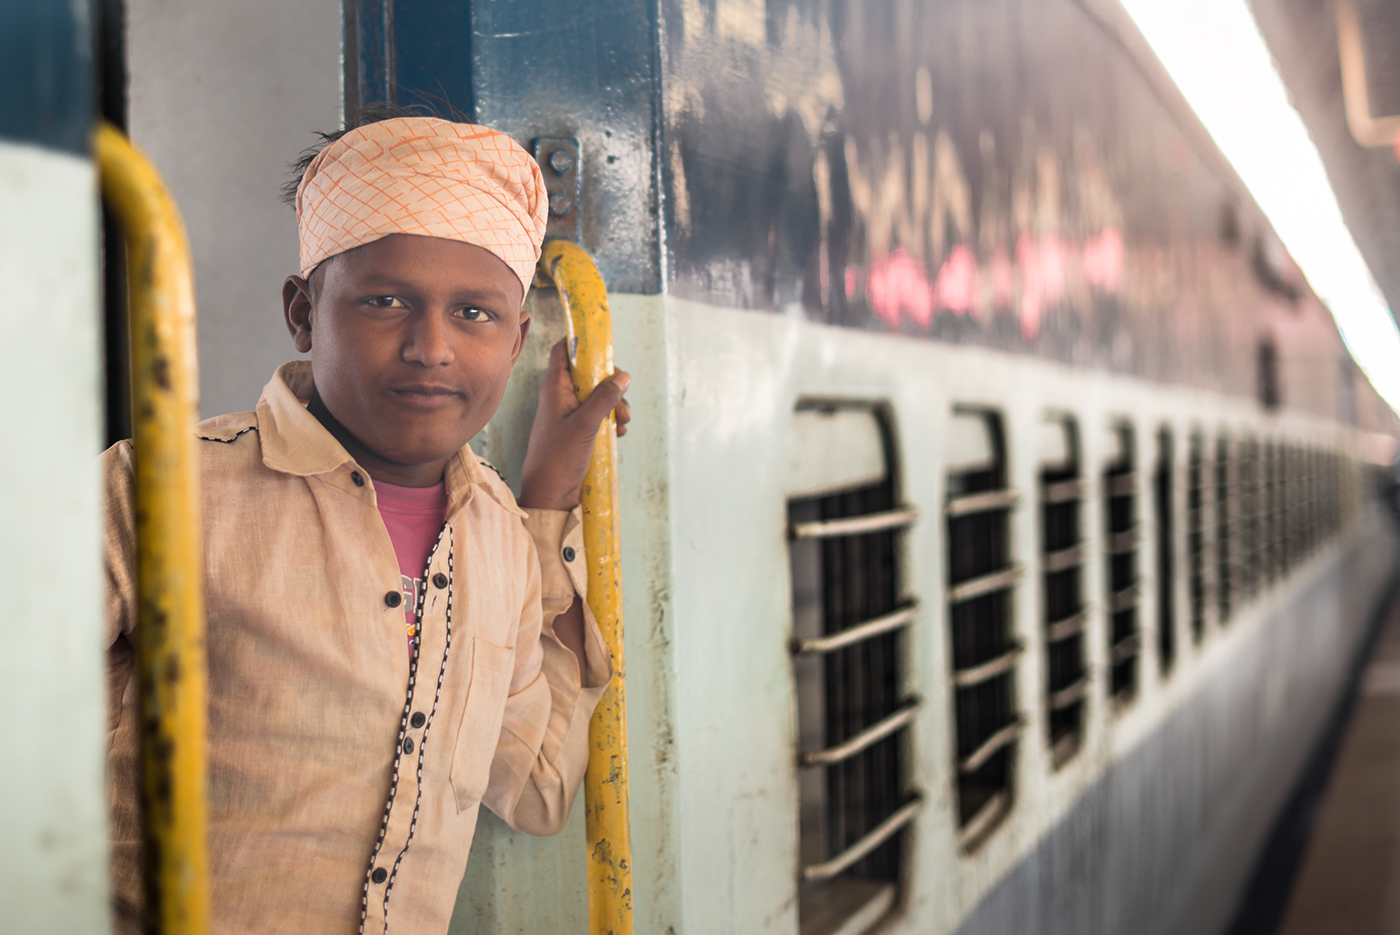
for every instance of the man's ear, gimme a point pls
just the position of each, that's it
(296, 308)
(524, 332)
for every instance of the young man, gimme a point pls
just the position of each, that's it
(348, 756)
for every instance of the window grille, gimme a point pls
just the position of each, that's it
(1249, 552)
(981, 581)
(1334, 499)
(1327, 496)
(1345, 477)
(1279, 565)
(1196, 535)
(1062, 557)
(849, 614)
(1327, 491)
(1122, 534)
(1273, 518)
(1224, 547)
(1163, 501)
(1306, 511)
(1288, 503)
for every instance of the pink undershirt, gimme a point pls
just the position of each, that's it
(414, 517)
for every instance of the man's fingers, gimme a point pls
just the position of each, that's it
(557, 390)
(603, 399)
(623, 414)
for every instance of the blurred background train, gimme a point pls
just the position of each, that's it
(1002, 512)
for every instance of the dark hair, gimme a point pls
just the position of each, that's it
(370, 113)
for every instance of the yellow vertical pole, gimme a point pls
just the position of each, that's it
(585, 298)
(170, 554)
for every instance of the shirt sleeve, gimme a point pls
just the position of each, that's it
(543, 751)
(119, 558)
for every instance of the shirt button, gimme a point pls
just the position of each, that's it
(379, 875)
(568, 553)
(418, 720)
(408, 745)
(358, 478)
(393, 598)
(440, 580)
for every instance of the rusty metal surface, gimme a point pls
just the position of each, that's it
(1017, 174)
(534, 68)
(571, 270)
(171, 668)
(999, 172)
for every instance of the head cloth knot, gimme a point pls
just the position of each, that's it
(422, 175)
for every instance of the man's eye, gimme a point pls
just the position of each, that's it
(471, 313)
(387, 301)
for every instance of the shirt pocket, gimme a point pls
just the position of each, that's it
(492, 668)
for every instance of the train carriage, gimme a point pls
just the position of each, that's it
(1002, 516)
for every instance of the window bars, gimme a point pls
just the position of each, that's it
(1164, 504)
(1124, 588)
(1225, 545)
(849, 617)
(1196, 535)
(1062, 559)
(981, 580)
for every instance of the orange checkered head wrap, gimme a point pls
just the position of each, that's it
(422, 175)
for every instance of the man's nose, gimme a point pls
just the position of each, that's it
(429, 339)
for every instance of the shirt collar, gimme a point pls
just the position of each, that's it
(295, 442)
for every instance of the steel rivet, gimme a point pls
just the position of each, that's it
(560, 161)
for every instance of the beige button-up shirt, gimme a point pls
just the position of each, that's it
(345, 776)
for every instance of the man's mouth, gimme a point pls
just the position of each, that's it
(425, 395)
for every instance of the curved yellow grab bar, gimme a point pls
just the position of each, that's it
(170, 553)
(570, 268)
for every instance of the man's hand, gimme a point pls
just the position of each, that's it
(561, 440)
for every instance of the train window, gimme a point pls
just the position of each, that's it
(1224, 545)
(1334, 493)
(1121, 537)
(1297, 505)
(1164, 503)
(1196, 535)
(1287, 516)
(1329, 494)
(1285, 505)
(1313, 498)
(1308, 491)
(1062, 556)
(849, 614)
(1273, 518)
(1249, 519)
(984, 651)
(1310, 494)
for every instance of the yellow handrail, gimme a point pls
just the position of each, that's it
(585, 298)
(170, 554)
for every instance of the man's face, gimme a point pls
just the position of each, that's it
(412, 340)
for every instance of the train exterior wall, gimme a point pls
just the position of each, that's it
(53, 807)
(1156, 819)
(1015, 174)
(1165, 840)
(918, 204)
